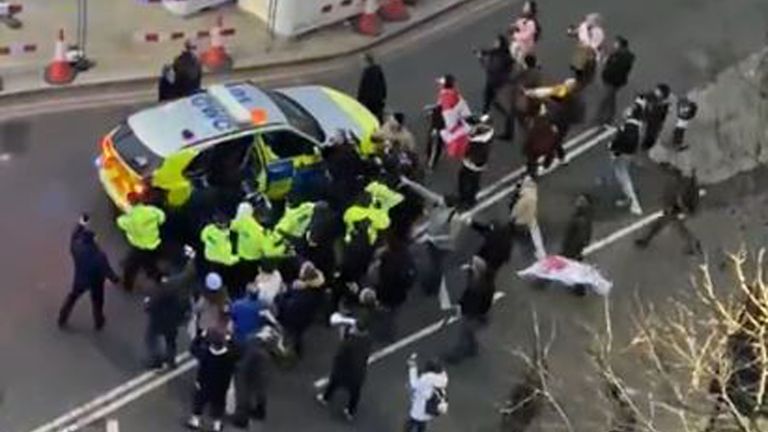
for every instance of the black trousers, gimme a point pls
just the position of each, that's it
(606, 108)
(670, 216)
(214, 401)
(469, 184)
(412, 425)
(353, 388)
(152, 339)
(97, 303)
(136, 260)
(250, 398)
(433, 276)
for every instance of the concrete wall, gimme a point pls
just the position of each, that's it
(730, 133)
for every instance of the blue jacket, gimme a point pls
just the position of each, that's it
(246, 317)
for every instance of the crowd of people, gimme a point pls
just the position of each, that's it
(249, 283)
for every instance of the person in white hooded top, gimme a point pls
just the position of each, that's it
(423, 387)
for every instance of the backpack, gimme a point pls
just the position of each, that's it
(437, 404)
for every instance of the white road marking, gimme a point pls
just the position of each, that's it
(158, 380)
(435, 327)
(113, 426)
(421, 229)
(129, 397)
(507, 190)
(187, 363)
(283, 73)
(80, 411)
(618, 235)
(413, 337)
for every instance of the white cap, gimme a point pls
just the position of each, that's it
(244, 209)
(213, 281)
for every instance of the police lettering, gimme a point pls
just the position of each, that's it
(219, 118)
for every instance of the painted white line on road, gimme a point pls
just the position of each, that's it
(185, 363)
(408, 340)
(516, 174)
(113, 426)
(184, 359)
(507, 190)
(129, 397)
(421, 229)
(435, 327)
(618, 235)
(72, 415)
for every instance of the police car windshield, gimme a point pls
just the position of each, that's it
(131, 150)
(297, 116)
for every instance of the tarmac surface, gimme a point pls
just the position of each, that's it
(47, 177)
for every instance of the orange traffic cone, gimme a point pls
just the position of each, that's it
(368, 23)
(394, 10)
(59, 71)
(216, 58)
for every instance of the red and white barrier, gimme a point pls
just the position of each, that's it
(15, 49)
(170, 36)
(10, 9)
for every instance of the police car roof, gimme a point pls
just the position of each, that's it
(219, 110)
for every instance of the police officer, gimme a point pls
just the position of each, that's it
(296, 218)
(250, 240)
(91, 268)
(219, 253)
(367, 209)
(141, 225)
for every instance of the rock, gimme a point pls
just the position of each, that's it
(730, 132)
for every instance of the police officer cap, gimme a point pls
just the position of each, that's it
(213, 281)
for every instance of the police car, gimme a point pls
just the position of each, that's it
(229, 134)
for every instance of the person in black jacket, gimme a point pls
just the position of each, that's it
(251, 379)
(350, 365)
(498, 65)
(167, 307)
(656, 107)
(475, 303)
(297, 307)
(187, 70)
(91, 269)
(496, 249)
(578, 234)
(623, 147)
(396, 275)
(372, 91)
(615, 75)
(167, 87)
(216, 366)
(679, 200)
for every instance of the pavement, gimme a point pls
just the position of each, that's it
(48, 177)
(121, 57)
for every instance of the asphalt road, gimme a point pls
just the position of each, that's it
(50, 178)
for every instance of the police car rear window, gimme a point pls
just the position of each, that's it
(131, 150)
(297, 116)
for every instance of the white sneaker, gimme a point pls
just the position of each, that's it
(635, 209)
(622, 202)
(321, 400)
(193, 423)
(348, 415)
